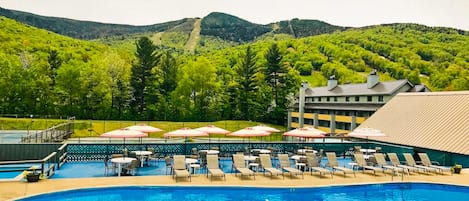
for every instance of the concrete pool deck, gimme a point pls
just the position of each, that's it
(16, 189)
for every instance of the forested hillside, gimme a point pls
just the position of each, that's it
(151, 77)
(86, 29)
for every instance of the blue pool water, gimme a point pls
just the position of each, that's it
(373, 192)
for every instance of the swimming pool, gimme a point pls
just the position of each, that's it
(371, 192)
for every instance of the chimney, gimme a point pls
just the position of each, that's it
(331, 83)
(301, 106)
(372, 79)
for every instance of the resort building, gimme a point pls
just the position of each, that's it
(341, 108)
(436, 123)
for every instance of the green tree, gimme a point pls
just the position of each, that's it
(246, 70)
(54, 63)
(141, 82)
(274, 69)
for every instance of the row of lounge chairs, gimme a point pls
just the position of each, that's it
(313, 165)
(395, 166)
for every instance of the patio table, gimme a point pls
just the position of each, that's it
(262, 151)
(142, 155)
(304, 151)
(120, 162)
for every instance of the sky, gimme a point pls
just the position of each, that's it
(354, 13)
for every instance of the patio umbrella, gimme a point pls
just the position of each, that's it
(124, 133)
(266, 128)
(185, 132)
(249, 132)
(211, 129)
(144, 128)
(366, 132)
(306, 132)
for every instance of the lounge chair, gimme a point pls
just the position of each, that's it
(409, 159)
(395, 162)
(266, 164)
(312, 163)
(361, 162)
(286, 165)
(426, 162)
(381, 161)
(179, 167)
(332, 162)
(240, 166)
(213, 168)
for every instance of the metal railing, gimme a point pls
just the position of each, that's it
(56, 133)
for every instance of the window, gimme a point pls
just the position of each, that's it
(347, 99)
(319, 99)
(328, 99)
(357, 98)
(369, 98)
(335, 99)
(312, 99)
(380, 99)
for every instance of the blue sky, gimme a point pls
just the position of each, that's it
(448, 13)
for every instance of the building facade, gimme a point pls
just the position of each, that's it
(341, 108)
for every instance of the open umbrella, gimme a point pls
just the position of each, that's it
(211, 129)
(366, 132)
(185, 132)
(306, 132)
(144, 128)
(249, 132)
(266, 128)
(124, 133)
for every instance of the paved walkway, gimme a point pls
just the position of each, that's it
(10, 190)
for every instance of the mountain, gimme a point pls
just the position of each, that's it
(219, 25)
(51, 74)
(90, 30)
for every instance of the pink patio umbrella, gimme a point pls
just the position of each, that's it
(366, 132)
(211, 129)
(266, 128)
(306, 132)
(144, 128)
(249, 132)
(124, 133)
(186, 132)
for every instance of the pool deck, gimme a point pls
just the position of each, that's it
(11, 190)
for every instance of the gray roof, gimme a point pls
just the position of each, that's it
(382, 88)
(434, 120)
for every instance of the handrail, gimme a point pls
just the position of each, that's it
(62, 147)
(49, 156)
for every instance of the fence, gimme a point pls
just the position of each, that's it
(54, 134)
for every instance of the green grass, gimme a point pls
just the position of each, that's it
(94, 128)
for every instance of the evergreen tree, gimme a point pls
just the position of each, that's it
(246, 70)
(54, 63)
(140, 81)
(274, 70)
